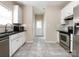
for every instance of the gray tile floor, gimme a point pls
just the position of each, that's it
(41, 49)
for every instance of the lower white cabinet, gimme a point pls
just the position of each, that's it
(15, 42)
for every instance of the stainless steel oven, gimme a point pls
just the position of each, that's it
(64, 38)
(4, 46)
(65, 41)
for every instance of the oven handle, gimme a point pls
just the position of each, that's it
(4, 39)
(64, 34)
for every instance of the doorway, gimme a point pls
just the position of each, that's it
(39, 26)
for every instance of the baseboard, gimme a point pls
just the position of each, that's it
(51, 42)
(45, 42)
(29, 41)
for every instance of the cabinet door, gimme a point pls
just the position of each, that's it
(13, 47)
(62, 17)
(13, 43)
(71, 6)
(24, 36)
(17, 14)
(67, 11)
(16, 41)
(20, 42)
(20, 15)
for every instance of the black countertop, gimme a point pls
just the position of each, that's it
(4, 34)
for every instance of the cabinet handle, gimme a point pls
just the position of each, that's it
(4, 40)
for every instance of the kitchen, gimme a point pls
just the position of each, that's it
(17, 32)
(8, 35)
(68, 32)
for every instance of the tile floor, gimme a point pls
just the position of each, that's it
(41, 49)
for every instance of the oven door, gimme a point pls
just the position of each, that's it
(4, 47)
(64, 39)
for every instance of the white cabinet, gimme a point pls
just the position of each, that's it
(17, 14)
(68, 10)
(15, 42)
(23, 37)
(13, 46)
(62, 17)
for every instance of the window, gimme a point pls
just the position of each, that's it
(5, 15)
(39, 24)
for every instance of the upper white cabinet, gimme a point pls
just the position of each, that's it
(68, 10)
(17, 14)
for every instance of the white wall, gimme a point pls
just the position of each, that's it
(52, 21)
(52, 18)
(28, 21)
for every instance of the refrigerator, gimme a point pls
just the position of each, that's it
(75, 52)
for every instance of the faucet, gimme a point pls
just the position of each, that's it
(8, 26)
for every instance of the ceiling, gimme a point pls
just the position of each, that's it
(39, 6)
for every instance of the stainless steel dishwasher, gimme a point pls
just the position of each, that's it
(4, 46)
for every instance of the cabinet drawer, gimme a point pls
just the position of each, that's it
(12, 37)
(13, 47)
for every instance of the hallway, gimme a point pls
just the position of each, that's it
(41, 49)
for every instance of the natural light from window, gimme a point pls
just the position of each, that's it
(5, 16)
(39, 24)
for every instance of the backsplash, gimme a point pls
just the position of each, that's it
(2, 28)
(69, 22)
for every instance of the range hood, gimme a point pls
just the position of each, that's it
(69, 17)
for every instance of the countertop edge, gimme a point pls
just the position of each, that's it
(11, 33)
